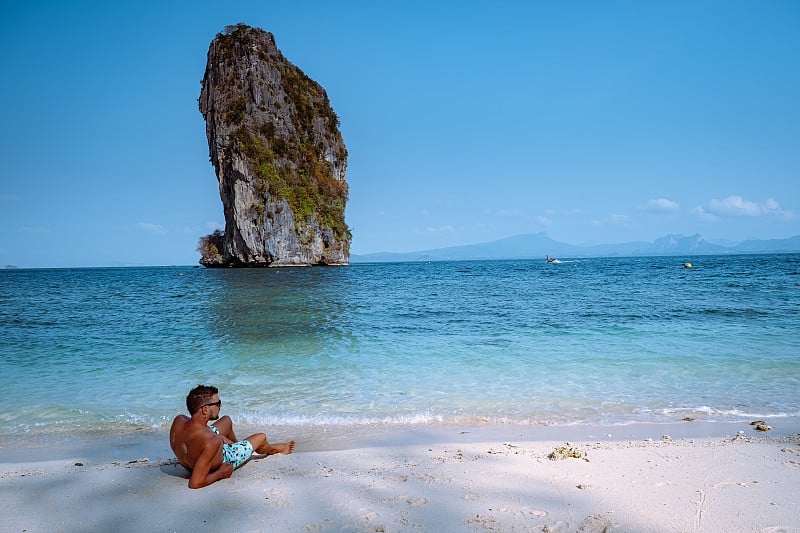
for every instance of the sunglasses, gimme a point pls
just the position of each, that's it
(217, 403)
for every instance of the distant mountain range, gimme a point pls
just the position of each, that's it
(537, 245)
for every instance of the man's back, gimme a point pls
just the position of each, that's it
(188, 440)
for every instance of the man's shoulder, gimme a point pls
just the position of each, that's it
(180, 419)
(196, 431)
(179, 423)
(186, 429)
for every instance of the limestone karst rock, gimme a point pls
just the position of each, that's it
(280, 160)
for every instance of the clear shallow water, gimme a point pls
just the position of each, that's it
(588, 340)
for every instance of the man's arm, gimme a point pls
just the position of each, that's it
(201, 477)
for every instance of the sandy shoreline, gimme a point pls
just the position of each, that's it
(675, 477)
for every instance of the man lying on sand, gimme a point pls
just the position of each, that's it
(212, 452)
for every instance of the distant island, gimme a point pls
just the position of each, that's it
(537, 245)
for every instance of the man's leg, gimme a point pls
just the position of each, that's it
(262, 447)
(225, 427)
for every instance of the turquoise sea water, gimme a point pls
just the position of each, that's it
(584, 341)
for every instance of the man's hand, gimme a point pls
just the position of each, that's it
(198, 480)
(225, 471)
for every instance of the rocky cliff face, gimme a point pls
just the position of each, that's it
(278, 154)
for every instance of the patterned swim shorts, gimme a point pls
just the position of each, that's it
(237, 453)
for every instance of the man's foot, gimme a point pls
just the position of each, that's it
(282, 447)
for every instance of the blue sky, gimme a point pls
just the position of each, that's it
(466, 122)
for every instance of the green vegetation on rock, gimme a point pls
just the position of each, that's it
(310, 189)
(209, 247)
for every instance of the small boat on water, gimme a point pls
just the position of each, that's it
(550, 259)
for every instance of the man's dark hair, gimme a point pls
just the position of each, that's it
(199, 396)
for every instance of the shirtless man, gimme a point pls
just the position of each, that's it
(213, 452)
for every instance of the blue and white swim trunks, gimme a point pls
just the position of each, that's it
(237, 453)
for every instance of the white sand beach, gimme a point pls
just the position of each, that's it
(639, 478)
